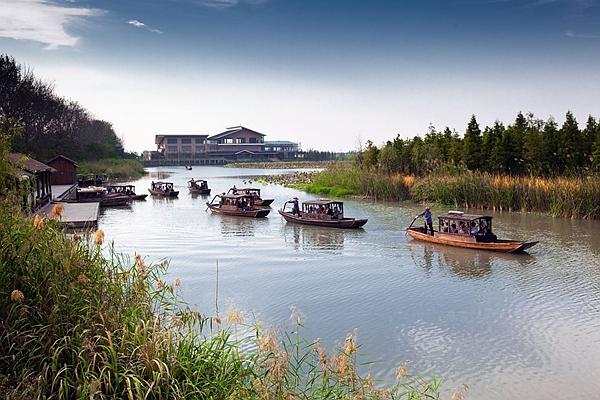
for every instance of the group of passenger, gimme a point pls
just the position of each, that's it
(162, 187)
(478, 228)
(333, 212)
(242, 204)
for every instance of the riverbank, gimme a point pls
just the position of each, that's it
(282, 164)
(571, 197)
(79, 324)
(117, 168)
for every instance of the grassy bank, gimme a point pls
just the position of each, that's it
(573, 197)
(78, 325)
(118, 168)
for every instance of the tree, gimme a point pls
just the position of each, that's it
(570, 149)
(370, 155)
(472, 145)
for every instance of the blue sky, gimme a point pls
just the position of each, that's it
(329, 74)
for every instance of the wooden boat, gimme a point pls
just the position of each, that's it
(97, 194)
(322, 213)
(198, 186)
(128, 190)
(258, 201)
(188, 167)
(468, 231)
(240, 205)
(164, 189)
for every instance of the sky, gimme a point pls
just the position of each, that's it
(327, 74)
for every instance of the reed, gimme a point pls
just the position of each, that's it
(118, 168)
(80, 321)
(572, 197)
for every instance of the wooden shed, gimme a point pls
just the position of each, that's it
(34, 177)
(66, 171)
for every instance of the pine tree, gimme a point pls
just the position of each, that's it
(491, 137)
(552, 164)
(472, 145)
(570, 149)
(588, 139)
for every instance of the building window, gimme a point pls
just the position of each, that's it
(199, 140)
(172, 140)
(186, 140)
(240, 140)
(228, 141)
(171, 149)
(186, 149)
(253, 140)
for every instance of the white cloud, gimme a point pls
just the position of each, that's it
(139, 24)
(574, 35)
(221, 4)
(41, 21)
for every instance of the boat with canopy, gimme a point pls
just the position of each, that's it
(321, 212)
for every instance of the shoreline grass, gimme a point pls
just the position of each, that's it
(117, 168)
(281, 164)
(76, 324)
(570, 197)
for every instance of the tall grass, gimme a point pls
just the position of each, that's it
(573, 197)
(118, 168)
(75, 324)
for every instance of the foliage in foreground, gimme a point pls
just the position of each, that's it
(117, 168)
(75, 325)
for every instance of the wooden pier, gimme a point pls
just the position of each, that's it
(76, 215)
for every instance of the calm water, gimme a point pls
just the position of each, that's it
(510, 326)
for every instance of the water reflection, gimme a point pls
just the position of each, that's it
(314, 238)
(464, 263)
(232, 226)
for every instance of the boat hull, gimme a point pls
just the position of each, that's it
(138, 197)
(159, 193)
(504, 246)
(200, 191)
(346, 223)
(261, 213)
(263, 202)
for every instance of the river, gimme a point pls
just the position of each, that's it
(509, 326)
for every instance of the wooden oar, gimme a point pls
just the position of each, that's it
(410, 226)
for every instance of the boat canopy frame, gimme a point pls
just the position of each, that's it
(445, 222)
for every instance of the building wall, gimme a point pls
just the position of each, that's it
(66, 172)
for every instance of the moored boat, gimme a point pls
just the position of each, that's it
(322, 212)
(164, 189)
(97, 194)
(127, 190)
(188, 167)
(198, 186)
(240, 205)
(258, 201)
(468, 231)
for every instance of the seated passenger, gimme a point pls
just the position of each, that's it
(463, 228)
(329, 211)
(475, 229)
(453, 228)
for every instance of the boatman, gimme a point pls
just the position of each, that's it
(295, 207)
(428, 219)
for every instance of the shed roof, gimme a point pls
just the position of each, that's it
(463, 217)
(28, 164)
(64, 158)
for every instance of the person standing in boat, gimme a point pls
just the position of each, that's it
(295, 207)
(428, 219)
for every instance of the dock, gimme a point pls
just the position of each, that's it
(76, 215)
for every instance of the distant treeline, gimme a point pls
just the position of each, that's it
(42, 124)
(317, 155)
(528, 146)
